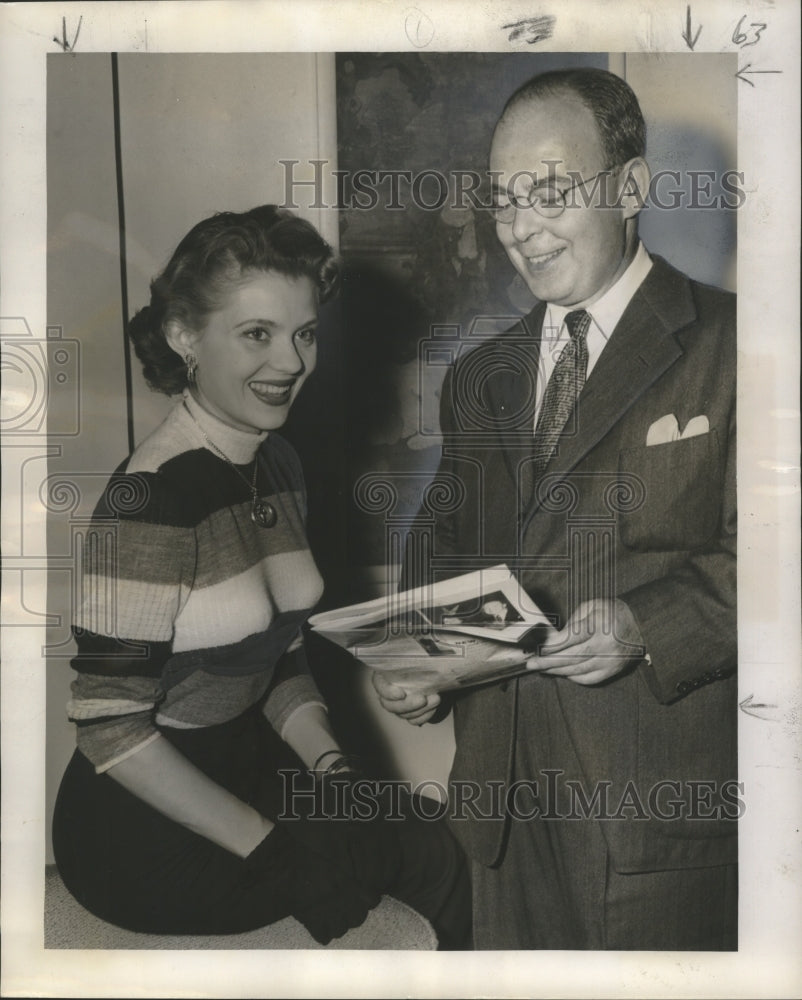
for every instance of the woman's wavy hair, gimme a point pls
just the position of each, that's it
(215, 255)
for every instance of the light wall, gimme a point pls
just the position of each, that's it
(691, 109)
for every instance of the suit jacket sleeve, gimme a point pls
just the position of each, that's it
(688, 617)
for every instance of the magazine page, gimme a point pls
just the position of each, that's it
(484, 601)
(466, 630)
(442, 661)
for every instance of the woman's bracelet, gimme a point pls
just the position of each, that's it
(327, 753)
(341, 763)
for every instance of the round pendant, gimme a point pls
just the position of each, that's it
(263, 513)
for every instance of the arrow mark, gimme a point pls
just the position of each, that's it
(687, 34)
(746, 71)
(62, 42)
(760, 710)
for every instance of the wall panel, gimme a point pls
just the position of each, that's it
(83, 300)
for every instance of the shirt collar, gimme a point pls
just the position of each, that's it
(607, 310)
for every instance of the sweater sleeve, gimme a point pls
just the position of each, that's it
(293, 687)
(136, 567)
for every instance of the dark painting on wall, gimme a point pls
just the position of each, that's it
(423, 267)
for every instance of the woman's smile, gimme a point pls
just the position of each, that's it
(273, 393)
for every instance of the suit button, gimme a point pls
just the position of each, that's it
(684, 687)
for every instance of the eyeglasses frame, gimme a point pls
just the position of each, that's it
(516, 206)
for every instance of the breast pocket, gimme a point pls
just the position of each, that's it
(681, 493)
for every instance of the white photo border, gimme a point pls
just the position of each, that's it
(767, 963)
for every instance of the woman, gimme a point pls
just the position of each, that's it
(192, 690)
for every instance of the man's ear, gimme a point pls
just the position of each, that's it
(181, 339)
(635, 180)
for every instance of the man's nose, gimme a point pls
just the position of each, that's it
(527, 222)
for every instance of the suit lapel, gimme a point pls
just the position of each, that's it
(640, 349)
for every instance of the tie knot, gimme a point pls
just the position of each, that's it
(578, 323)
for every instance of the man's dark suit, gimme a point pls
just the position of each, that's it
(612, 517)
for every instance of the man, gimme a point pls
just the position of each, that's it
(595, 446)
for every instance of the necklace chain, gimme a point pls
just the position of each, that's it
(251, 485)
(263, 512)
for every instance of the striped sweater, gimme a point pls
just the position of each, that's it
(189, 612)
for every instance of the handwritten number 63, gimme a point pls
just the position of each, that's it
(740, 37)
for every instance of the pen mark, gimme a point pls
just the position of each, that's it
(62, 42)
(532, 29)
(759, 710)
(740, 37)
(419, 28)
(687, 34)
(746, 71)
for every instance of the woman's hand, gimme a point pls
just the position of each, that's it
(414, 706)
(353, 821)
(309, 886)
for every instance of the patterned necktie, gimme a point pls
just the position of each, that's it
(562, 390)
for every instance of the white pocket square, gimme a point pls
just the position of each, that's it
(667, 429)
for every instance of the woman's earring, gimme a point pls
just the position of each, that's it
(192, 368)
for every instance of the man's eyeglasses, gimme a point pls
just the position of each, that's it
(547, 201)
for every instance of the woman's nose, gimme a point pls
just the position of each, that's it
(285, 356)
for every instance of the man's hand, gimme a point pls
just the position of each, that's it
(414, 706)
(599, 640)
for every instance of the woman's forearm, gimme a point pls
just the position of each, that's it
(168, 782)
(163, 778)
(309, 733)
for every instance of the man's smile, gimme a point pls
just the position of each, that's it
(540, 261)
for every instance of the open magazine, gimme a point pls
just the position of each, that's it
(467, 630)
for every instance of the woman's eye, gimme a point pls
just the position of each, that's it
(257, 333)
(307, 336)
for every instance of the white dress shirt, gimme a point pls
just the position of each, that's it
(604, 316)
